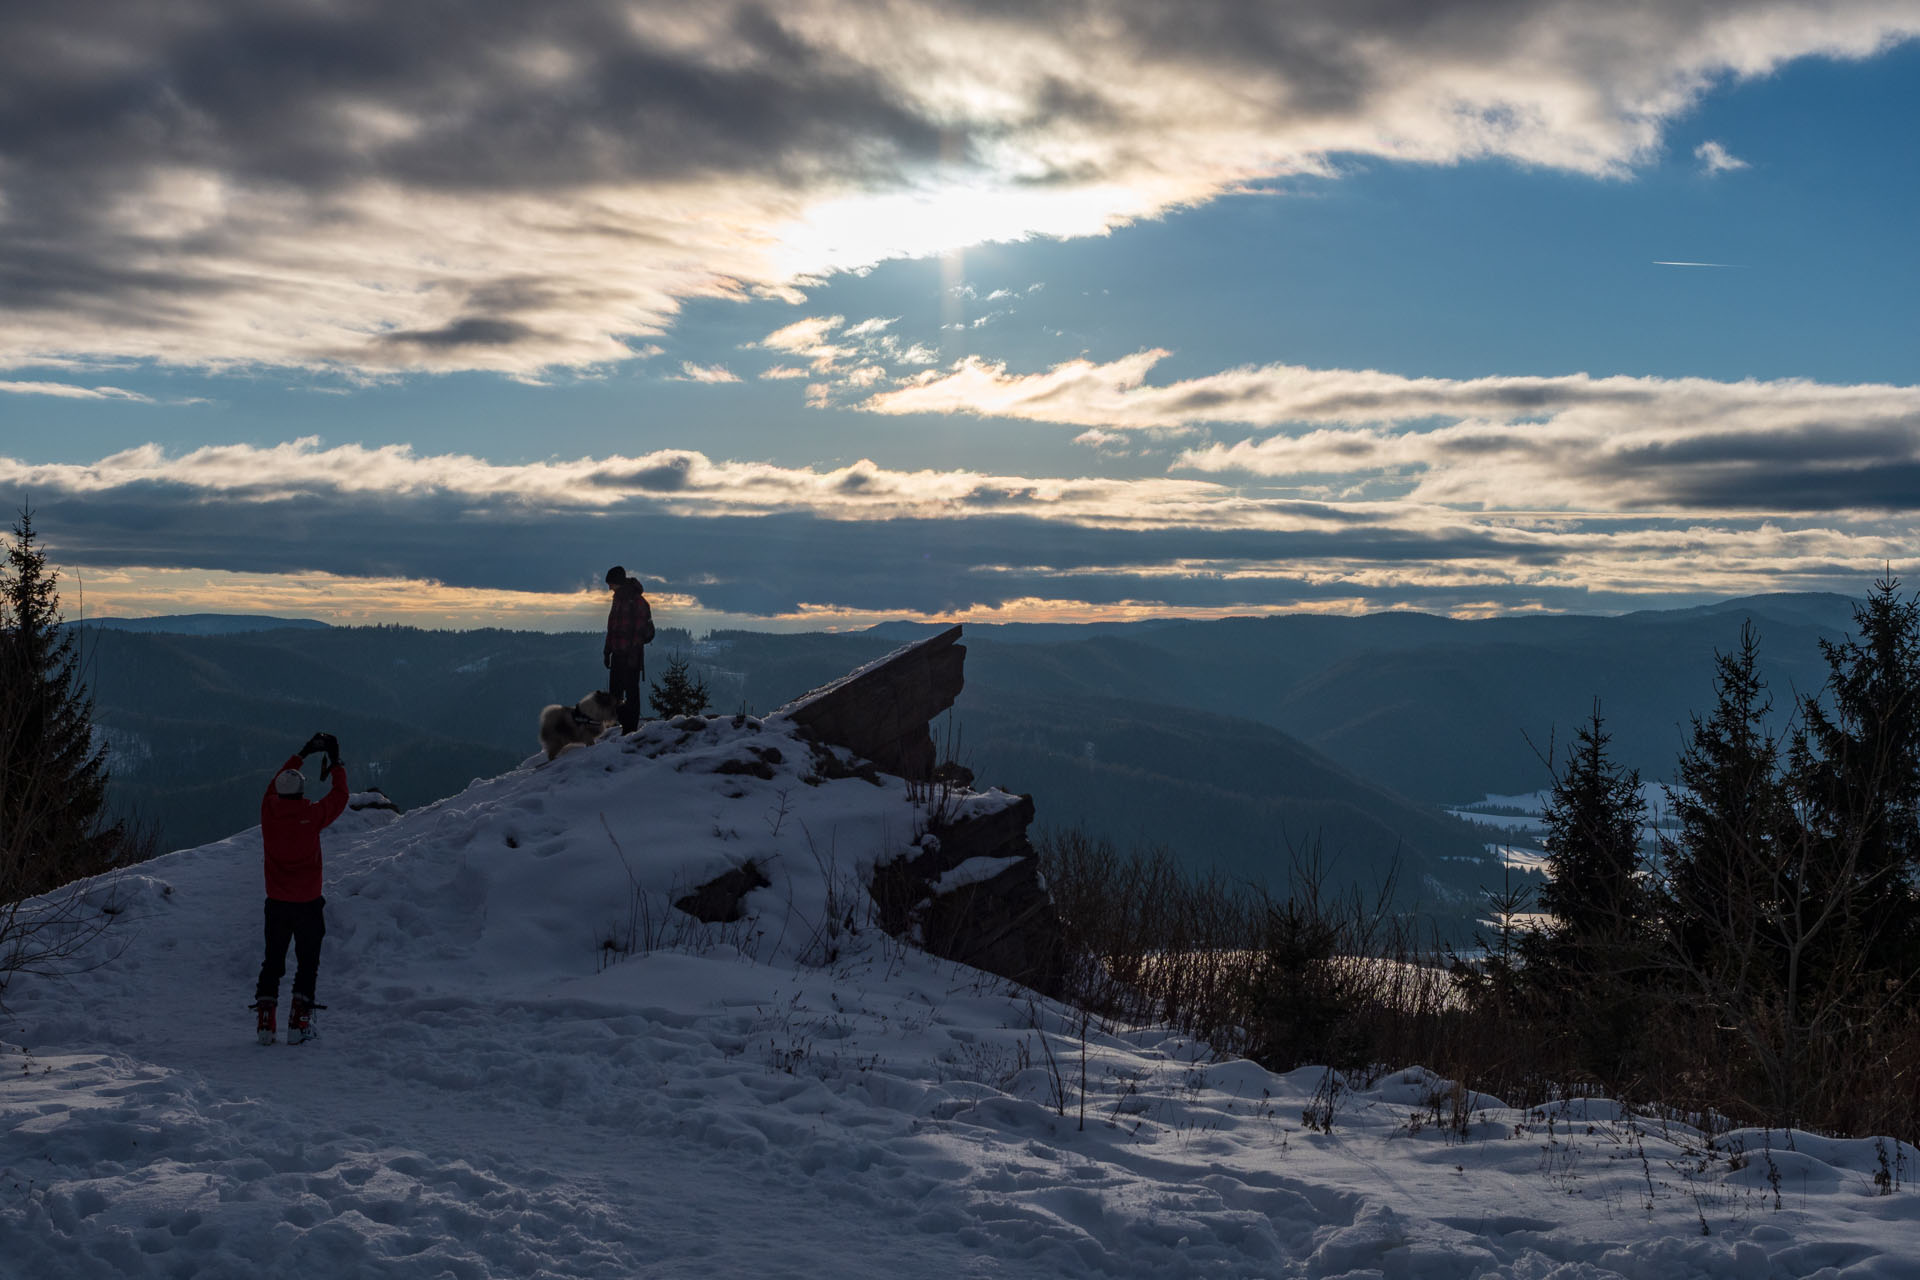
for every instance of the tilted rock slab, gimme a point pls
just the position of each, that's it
(884, 710)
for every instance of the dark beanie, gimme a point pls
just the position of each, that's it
(614, 575)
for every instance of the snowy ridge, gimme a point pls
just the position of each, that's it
(497, 1093)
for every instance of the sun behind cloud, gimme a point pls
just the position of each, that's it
(511, 194)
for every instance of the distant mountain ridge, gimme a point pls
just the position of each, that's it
(1442, 709)
(1822, 608)
(202, 624)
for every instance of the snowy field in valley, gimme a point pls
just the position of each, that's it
(497, 1094)
(1521, 823)
(1522, 816)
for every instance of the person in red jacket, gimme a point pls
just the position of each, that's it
(629, 631)
(290, 827)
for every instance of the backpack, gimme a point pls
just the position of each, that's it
(646, 621)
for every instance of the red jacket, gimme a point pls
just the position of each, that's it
(626, 621)
(290, 828)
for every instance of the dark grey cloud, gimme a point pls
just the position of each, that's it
(41, 269)
(672, 476)
(1814, 467)
(473, 331)
(1815, 486)
(258, 91)
(1808, 446)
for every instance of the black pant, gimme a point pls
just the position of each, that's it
(303, 924)
(629, 666)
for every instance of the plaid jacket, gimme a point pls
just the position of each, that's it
(627, 621)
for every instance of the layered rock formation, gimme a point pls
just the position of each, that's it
(970, 890)
(969, 887)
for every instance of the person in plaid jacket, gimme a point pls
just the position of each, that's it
(629, 629)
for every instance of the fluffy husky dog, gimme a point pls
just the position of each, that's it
(577, 725)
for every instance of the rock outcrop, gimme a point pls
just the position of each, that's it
(884, 711)
(721, 899)
(969, 889)
(371, 798)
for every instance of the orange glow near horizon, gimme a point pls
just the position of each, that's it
(143, 592)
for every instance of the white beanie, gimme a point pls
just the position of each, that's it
(290, 782)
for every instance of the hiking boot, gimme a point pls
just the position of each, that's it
(265, 1008)
(300, 1021)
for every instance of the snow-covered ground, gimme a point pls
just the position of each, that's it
(497, 1093)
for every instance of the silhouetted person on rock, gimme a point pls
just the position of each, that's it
(629, 630)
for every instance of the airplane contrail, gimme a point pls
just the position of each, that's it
(1731, 265)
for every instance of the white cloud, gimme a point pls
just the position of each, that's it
(67, 391)
(1571, 441)
(678, 481)
(706, 373)
(1715, 158)
(1114, 444)
(1078, 393)
(846, 357)
(808, 339)
(1115, 395)
(541, 187)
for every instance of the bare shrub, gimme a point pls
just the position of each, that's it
(1152, 942)
(1311, 977)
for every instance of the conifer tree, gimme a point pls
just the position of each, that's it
(1736, 828)
(1586, 967)
(679, 692)
(1594, 819)
(1855, 764)
(1761, 908)
(53, 778)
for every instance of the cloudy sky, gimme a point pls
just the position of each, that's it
(823, 312)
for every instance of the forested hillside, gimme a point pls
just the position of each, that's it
(1439, 709)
